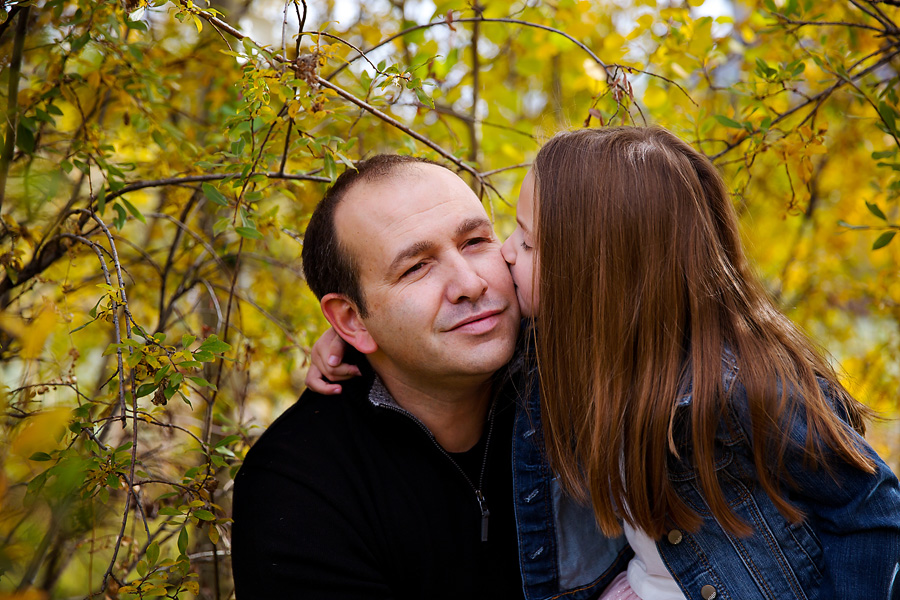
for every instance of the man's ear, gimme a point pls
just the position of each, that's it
(344, 317)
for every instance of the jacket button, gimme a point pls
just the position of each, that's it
(708, 592)
(675, 538)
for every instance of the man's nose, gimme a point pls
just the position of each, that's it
(466, 284)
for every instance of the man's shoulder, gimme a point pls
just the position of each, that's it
(313, 427)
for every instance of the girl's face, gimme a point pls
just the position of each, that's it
(520, 253)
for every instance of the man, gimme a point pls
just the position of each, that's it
(402, 486)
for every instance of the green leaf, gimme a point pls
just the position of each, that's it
(159, 139)
(134, 359)
(85, 325)
(183, 541)
(214, 344)
(202, 382)
(329, 167)
(112, 348)
(25, 138)
(146, 389)
(204, 515)
(873, 208)
(424, 98)
(170, 511)
(40, 457)
(153, 553)
(214, 195)
(883, 240)
(249, 233)
(119, 221)
(889, 115)
(133, 210)
(139, 25)
(187, 340)
(79, 42)
(101, 200)
(160, 374)
(154, 592)
(728, 122)
(227, 440)
(221, 225)
(204, 356)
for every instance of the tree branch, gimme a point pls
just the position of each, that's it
(390, 39)
(12, 99)
(818, 99)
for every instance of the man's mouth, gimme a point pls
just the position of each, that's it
(478, 323)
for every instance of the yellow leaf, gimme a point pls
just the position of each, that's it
(32, 336)
(38, 331)
(41, 432)
(655, 97)
(198, 23)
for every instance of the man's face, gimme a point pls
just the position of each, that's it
(441, 304)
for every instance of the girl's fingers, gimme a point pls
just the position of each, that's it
(316, 382)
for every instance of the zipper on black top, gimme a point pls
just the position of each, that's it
(485, 513)
(482, 501)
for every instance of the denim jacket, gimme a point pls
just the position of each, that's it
(847, 547)
(562, 553)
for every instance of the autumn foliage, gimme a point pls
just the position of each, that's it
(161, 159)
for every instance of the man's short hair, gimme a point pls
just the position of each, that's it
(328, 266)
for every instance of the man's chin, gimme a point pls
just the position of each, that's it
(490, 354)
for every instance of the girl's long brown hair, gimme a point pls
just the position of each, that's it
(644, 287)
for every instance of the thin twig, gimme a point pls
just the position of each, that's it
(395, 123)
(502, 169)
(140, 185)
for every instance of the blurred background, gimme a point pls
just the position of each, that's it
(161, 160)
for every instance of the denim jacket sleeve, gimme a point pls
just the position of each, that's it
(848, 546)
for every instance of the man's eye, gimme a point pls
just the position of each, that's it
(476, 241)
(413, 269)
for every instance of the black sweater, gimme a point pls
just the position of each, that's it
(342, 499)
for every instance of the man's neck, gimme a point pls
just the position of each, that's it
(455, 415)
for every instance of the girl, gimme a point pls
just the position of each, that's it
(677, 398)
